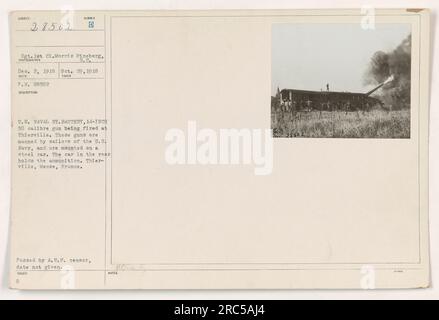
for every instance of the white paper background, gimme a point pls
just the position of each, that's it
(9, 5)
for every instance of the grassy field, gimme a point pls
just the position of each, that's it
(339, 124)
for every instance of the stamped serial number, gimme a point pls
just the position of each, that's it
(221, 310)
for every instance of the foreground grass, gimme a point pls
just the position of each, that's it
(338, 124)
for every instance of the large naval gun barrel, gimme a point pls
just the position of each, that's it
(389, 79)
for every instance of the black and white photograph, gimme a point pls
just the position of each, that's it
(140, 159)
(341, 81)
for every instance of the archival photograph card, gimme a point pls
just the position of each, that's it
(265, 149)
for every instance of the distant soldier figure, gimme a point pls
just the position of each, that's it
(347, 107)
(308, 104)
(327, 87)
(293, 108)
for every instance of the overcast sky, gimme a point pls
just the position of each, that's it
(307, 56)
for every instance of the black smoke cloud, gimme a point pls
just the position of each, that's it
(395, 94)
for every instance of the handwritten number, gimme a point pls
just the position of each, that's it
(51, 27)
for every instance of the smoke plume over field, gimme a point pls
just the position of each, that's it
(396, 93)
